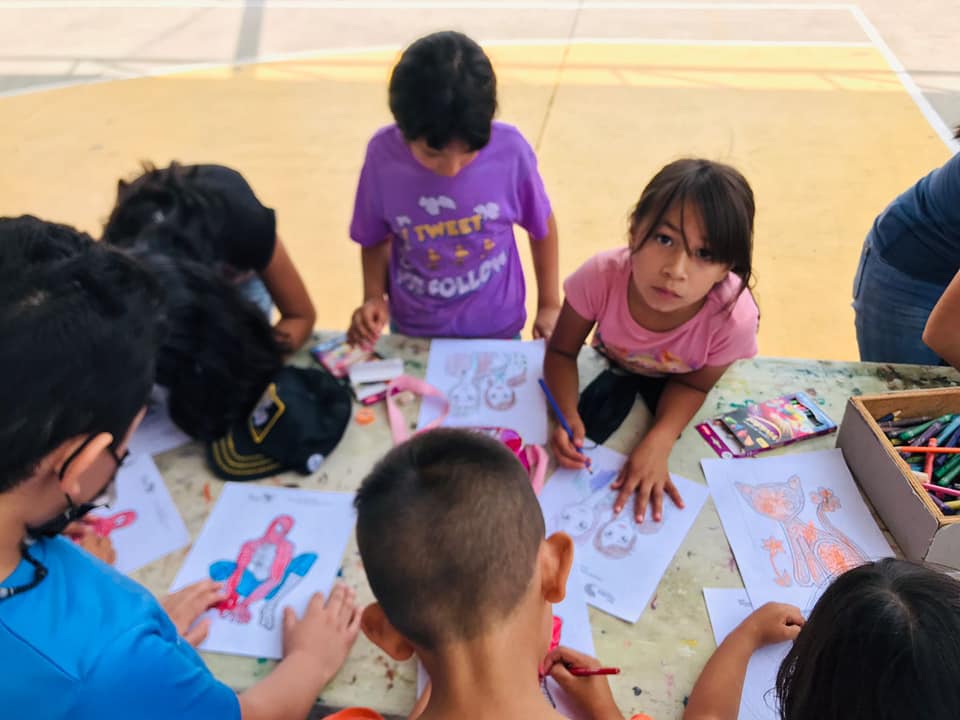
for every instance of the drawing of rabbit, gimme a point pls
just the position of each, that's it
(818, 553)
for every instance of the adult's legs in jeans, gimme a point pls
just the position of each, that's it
(891, 311)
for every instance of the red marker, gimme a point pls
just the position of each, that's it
(589, 672)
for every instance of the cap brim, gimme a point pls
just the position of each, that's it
(229, 464)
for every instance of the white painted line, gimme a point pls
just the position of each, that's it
(426, 5)
(906, 80)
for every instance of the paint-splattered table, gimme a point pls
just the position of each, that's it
(662, 654)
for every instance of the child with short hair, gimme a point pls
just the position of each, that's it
(80, 327)
(438, 196)
(672, 311)
(209, 214)
(882, 643)
(452, 540)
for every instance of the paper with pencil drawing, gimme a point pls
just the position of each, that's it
(490, 383)
(622, 561)
(728, 608)
(271, 547)
(794, 522)
(143, 524)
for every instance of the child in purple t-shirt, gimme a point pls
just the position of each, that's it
(438, 196)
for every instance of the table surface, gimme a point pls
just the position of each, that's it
(662, 654)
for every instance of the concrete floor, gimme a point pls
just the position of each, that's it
(809, 99)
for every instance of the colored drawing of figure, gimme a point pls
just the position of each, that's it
(616, 538)
(103, 526)
(581, 518)
(265, 569)
(490, 377)
(819, 554)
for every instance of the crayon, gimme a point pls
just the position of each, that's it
(943, 491)
(930, 432)
(911, 450)
(948, 431)
(911, 433)
(947, 477)
(954, 461)
(952, 504)
(907, 422)
(889, 417)
(942, 506)
(928, 465)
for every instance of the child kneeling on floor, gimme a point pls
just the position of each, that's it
(452, 539)
(882, 643)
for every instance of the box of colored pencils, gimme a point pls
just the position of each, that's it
(904, 450)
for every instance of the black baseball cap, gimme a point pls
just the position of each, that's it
(297, 422)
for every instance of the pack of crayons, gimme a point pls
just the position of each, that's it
(756, 427)
(931, 447)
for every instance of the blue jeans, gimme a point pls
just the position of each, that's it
(256, 292)
(891, 311)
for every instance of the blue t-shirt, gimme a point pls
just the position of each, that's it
(88, 642)
(919, 232)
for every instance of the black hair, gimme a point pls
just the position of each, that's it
(883, 642)
(218, 352)
(168, 198)
(722, 197)
(80, 324)
(444, 89)
(449, 530)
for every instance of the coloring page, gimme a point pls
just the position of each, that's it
(728, 608)
(143, 524)
(575, 633)
(156, 432)
(271, 547)
(794, 522)
(621, 560)
(488, 383)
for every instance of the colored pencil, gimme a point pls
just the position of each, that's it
(562, 420)
(590, 672)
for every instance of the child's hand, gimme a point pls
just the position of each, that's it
(325, 633)
(186, 605)
(591, 694)
(545, 321)
(569, 454)
(646, 474)
(368, 321)
(773, 623)
(85, 536)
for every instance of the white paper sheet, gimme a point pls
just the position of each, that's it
(143, 524)
(727, 609)
(794, 523)
(622, 561)
(489, 383)
(287, 543)
(575, 633)
(157, 433)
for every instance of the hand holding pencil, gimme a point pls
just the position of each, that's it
(568, 437)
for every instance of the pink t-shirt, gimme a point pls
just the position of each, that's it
(715, 336)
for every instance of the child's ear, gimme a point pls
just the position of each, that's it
(556, 559)
(383, 634)
(81, 462)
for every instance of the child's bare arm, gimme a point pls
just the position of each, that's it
(546, 266)
(942, 333)
(286, 287)
(591, 694)
(645, 472)
(561, 376)
(314, 647)
(368, 320)
(716, 696)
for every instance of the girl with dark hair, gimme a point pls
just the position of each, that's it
(672, 311)
(214, 218)
(882, 643)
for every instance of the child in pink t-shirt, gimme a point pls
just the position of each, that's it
(672, 311)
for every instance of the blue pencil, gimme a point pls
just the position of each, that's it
(561, 419)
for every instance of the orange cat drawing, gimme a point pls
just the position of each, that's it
(819, 553)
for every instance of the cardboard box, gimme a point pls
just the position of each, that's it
(916, 523)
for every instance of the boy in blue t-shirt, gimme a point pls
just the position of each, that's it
(80, 326)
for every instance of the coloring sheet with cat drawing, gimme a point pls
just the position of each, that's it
(143, 524)
(794, 522)
(488, 383)
(728, 608)
(575, 633)
(622, 561)
(271, 547)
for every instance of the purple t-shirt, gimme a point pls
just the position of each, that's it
(454, 266)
